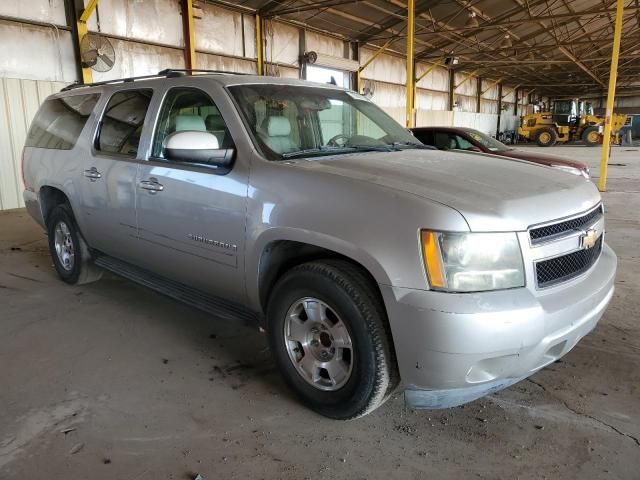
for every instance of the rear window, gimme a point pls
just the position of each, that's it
(59, 121)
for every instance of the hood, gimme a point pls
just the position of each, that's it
(543, 158)
(491, 194)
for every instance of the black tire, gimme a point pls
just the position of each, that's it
(347, 291)
(546, 137)
(82, 270)
(590, 136)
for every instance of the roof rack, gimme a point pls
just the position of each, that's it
(166, 73)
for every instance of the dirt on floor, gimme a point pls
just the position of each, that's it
(113, 381)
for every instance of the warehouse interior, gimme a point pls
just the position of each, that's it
(112, 380)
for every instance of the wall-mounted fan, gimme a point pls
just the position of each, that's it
(368, 89)
(96, 52)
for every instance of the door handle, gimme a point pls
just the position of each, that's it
(152, 185)
(92, 174)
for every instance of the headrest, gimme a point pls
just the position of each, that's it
(278, 127)
(190, 122)
(215, 122)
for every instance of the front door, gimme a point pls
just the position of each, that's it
(191, 217)
(109, 174)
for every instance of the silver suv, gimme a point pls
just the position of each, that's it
(372, 261)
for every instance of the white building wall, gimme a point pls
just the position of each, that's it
(38, 53)
(19, 101)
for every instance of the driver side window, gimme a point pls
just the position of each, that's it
(187, 109)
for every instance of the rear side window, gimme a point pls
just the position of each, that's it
(121, 124)
(59, 121)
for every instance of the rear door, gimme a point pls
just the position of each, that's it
(109, 175)
(191, 217)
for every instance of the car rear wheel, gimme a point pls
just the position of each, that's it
(590, 136)
(69, 252)
(327, 332)
(546, 137)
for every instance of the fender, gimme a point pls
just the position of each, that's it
(256, 247)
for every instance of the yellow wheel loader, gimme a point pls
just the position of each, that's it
(569, 120)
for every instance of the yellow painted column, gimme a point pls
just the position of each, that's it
(189, 35)
(411, 76)
(613, 76)
(259, 46)
(87, 76)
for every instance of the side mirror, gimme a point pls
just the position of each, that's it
(195, 146)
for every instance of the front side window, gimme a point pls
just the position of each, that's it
(189, 109)
(59, 121)
(294, 120)
(122, 121)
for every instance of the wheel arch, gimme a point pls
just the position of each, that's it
(50, 197)
(278, 255)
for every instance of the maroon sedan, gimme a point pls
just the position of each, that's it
(458, 138)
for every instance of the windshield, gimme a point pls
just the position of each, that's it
(487, 141)
(289, 121)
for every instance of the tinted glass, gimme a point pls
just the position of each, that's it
(59, 121)
(121, 124)
(425, 136)
(190, 109)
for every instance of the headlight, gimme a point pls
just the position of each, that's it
(472, 262)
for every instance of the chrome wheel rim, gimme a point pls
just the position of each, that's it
(63, 244)
(318, 344)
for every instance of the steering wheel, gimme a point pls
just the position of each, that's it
(333, 141)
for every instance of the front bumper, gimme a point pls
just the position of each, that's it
(454, 348)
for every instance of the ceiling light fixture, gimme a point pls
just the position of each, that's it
(472, 21)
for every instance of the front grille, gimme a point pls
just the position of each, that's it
(541, 233)
(563, 268)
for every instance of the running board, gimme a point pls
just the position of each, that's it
(216, 306)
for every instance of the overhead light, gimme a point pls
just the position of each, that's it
(506, 42)
(472, 21)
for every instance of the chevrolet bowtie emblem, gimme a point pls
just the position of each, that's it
(589, 238)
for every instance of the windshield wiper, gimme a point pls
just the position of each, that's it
(335, 150)
(374, 148)
(412, 145)
(314, 151)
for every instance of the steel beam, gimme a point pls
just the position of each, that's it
(259, 46)
(308, 7)
(606, 141)
(411, 76)
(189, 34)
(82, 29)
(572, 57)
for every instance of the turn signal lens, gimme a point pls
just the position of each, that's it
(432, 259)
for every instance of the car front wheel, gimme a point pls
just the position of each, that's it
(327, 329)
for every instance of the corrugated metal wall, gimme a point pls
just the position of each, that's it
(19, 101)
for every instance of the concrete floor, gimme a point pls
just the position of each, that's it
(112, 381)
